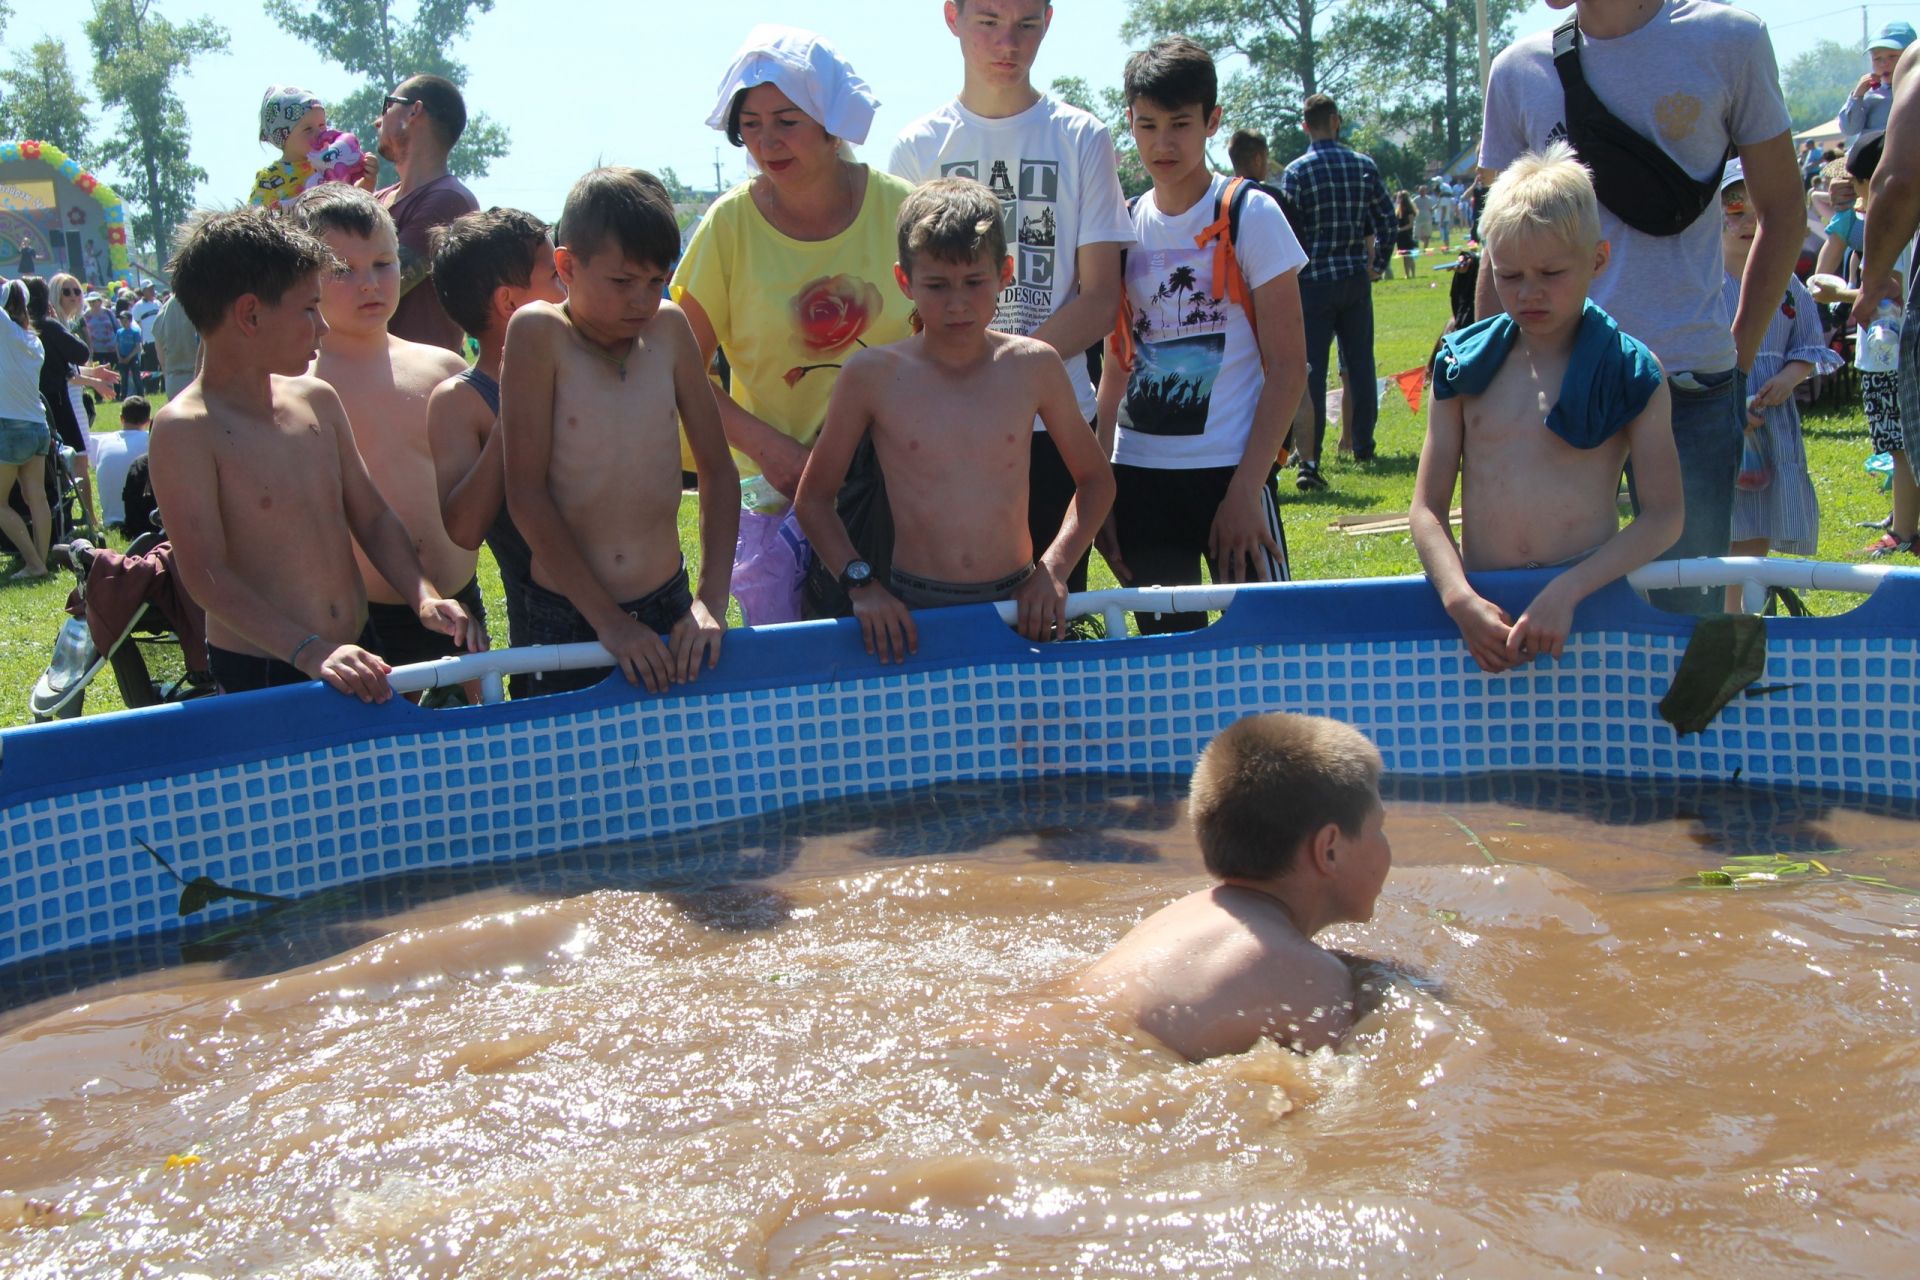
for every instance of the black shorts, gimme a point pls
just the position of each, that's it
(399, 638)
(552, 619)
(1049, 493)
(246, 672)
(1163, 519)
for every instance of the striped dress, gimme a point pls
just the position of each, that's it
(1785, 513)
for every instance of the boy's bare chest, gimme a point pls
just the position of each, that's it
(385, 408)
(290, 462)
(598, 393)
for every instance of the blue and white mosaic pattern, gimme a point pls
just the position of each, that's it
(367, 792)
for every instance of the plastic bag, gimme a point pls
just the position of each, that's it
(1756, 468)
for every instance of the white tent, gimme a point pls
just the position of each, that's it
(1828, 132)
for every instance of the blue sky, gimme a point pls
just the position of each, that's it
(581, 82)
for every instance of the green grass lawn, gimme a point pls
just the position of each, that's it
(1408, 316)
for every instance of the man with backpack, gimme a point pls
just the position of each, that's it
(1654, 95)
(1209, 358)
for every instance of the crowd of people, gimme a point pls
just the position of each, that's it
(953, 379)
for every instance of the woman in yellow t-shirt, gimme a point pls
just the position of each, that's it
(789, 274)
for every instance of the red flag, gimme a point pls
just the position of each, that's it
(1412, 385)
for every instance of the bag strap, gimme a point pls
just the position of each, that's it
(1121, 339)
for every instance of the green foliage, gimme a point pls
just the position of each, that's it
(369, 39)
(41, 99)
(137, 54)
(1816, 83)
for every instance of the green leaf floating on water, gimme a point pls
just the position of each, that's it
(1756, 870)
(1716, 879)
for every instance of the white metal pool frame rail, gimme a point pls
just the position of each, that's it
(1752, 573)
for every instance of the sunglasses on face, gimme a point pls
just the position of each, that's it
(390, 101)
(70, 293)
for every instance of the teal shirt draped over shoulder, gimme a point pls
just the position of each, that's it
(1610, 376)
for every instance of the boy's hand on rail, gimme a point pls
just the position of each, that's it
(1042, 602)
(1486, 628)
(1542, 629)
(695, 636)
(349, 669)
(641, 656)
(886, 625)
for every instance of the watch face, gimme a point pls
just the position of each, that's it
(858, 571)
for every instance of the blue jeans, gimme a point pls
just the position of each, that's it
(1342, 308)
(1707, 424)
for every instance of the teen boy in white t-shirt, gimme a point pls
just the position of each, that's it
(1202, 410)
(1053, 167)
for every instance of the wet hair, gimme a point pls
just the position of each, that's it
(1173, 73)
(440, 99)
(1265, 784)
(134, 411)
(336, 206)
(1549, 192)
(953, 220)
(628, 208)
(221, 257)
(477, 253)
(39, 298)
(1319, 112)
(1244, 146)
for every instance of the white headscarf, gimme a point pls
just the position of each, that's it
(809, 71)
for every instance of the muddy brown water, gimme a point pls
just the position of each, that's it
(817, 1046)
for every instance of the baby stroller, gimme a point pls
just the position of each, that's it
(122, 608)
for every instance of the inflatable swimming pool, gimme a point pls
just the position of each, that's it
(294, 791)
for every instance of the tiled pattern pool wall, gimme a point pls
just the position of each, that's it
(293, 791)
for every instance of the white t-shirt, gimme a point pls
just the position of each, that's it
(20, 358)
(1054, 170)
(143, 313)
(1196, 369)
(110, 453)
(1698, 76)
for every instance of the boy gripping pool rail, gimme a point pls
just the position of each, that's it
(1535, 411)
(1288, 816)
(950, 410)
(486, 266)
(595, 394)
(263, 487)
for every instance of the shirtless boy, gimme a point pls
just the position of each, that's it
(384, 383)
(1288, 816)
(1535, 411)
(588, 411)
(949, 409)
(486, 266)
(263, 486)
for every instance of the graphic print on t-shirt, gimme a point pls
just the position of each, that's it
(1180, 341)
(1027, 214)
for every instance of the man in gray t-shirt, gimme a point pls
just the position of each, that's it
(1696, 77)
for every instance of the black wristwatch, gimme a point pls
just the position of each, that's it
(858, 573)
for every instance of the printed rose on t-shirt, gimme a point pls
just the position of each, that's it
(829, 316)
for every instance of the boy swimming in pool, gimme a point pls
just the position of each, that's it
(1535, 411)
(951, 410)
(264, 490)
(1289, 820)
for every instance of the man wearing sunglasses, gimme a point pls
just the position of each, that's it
(419, 124)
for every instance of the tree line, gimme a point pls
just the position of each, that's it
(141, 145)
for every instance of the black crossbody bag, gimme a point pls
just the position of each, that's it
(1635, 179)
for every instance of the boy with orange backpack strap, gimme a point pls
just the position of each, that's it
(1209, 358)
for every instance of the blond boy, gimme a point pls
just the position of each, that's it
(593, 398)
(384, 383)
(1535, 411)
(1288, 816)
(264, 490)
(949, 410)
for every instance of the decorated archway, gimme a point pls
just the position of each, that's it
(56, 216)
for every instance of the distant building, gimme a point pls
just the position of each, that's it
(55, 216)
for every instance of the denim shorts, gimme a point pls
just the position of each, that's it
(22, 440)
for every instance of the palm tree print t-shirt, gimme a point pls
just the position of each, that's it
(1196, 372)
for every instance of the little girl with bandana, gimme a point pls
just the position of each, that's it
(310, 153)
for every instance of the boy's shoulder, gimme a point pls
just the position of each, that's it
(538, 322)
(426, 358)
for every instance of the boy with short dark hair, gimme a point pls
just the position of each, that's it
(255, 465)
(486, 266)
(588, 422)
(949, 409)
(1196, 397)
(384, 382)
(1053, 169)
(1288, 816)
(1542, 493)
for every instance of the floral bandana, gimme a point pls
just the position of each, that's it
(282, 109)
